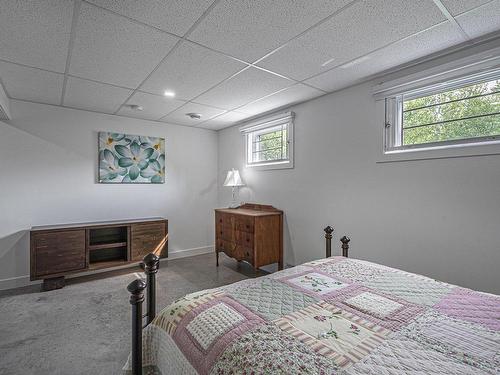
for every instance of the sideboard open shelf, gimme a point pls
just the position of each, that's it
(61, 250)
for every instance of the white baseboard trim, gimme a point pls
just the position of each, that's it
(190, 252)
(17, 282)
(20, 281)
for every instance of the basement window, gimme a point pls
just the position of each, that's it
(269, 142)
(458, 112)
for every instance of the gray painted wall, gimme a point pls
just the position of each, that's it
(439, 218)
(48, 166)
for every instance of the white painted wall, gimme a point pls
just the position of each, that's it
(48, 166)
(439, 218)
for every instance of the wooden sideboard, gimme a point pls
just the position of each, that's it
(251, 232)
(60, 250)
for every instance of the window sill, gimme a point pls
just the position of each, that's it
(440, 152)
(270, 166)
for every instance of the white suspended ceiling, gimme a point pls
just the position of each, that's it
(227, 60)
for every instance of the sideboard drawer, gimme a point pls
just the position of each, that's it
(147, 238)
(57, 252)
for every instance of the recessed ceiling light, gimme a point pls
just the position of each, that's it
(194, 116)
(169, 93)
(134, 107)
(328, 61)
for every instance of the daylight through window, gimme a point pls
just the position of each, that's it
(459, 112)
(269, 143)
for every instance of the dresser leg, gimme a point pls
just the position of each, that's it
(280, 265)
(217, 257)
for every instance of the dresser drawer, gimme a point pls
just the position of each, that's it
(58, 252)
(224, 219)
(236, 251)
(243, 223)
(243, 238)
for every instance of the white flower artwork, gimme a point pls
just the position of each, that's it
(125, 158)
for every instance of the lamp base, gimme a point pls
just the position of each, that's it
(234, 205)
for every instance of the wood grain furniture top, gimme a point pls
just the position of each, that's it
(96, 224)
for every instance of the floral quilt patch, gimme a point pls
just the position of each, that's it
(169, 318)
(315, 283)
(266, 349)
(333, 333)
(207, 330)
(385, 310)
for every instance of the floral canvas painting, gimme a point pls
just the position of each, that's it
(125, 158)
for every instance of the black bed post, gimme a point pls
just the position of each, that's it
(136, 289)
(345, 246)
(151, 263)
(328, 235)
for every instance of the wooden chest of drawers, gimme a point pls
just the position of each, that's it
(252, 232)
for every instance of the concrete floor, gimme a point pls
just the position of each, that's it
(84, 328)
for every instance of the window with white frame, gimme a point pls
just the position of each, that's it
(457, 112)
(269, 142)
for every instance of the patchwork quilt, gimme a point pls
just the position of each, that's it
(332, 316)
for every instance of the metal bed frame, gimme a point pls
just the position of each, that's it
(150, 265)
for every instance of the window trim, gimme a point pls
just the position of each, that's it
(393, 111)
(267, 123)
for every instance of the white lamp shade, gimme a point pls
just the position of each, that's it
(233, 178)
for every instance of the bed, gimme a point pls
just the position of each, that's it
(336, 315)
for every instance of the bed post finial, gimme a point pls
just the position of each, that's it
(150, 264)
(328, 235)
(136, 289)
(345, 246)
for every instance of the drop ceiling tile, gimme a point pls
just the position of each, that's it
(191, 70)
(154, 106)
(31, 84)
(456, 7)
(248, 29)
(294, 94)
(224, 121)
(430, 41)
(179, 115)
(36, 33)
(482, 20)
(243, 88)
(358, 30)
(175, 16)
(113, 49)
(94, 96)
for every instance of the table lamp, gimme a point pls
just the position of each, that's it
(233, 179)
